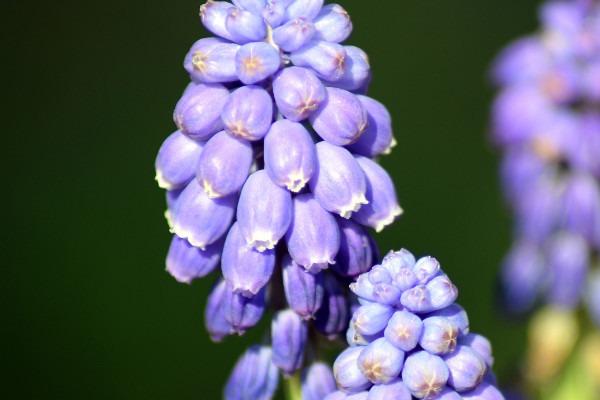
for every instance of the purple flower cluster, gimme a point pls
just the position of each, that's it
(546, 119)
(271, 176)
(408, 338)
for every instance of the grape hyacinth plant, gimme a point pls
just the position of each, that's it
(410, 339)
(271, 176)
(546, 120)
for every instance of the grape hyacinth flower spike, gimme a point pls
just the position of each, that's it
(546, 121)
(416, 346)
(271, 175)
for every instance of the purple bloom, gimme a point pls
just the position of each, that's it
(176, 161)
(317, 381)
(223, 165)
(186, 262)
(356, 254)
(264, 211)
(198, 112)
(288, 333)
(303, 291)
(313, 238)
(290, 155)
(256, 61)
(382, 207)
(341, 118)
(248, 113)
(338, 183)
(298, 92)
(244, 267)
(254, 376)
(200, 219)
(211, 60)
(377, 137)
(332, 317)
(240, 311)
(214, 315)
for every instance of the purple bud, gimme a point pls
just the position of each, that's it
(537, 210)
(355, 255)
(337, 395)
(448, 394)
(523, 60)
(567, 261)
(256, 61)
(456, 314)
(332, 317)
(198, 112)
(186, 262)
(240, 311)
(517, 113)
(364, 288)
(484, 391)
(308, 9)
(404, 330)
(245, 268)
(387, 293)
(442, 292)
(293, 34)
(274, 12)
(586, 153)
(379, 274)
(172, 197)
(425, 269)
(357, 74)
(338, 183)
(327, 59)
(290, 155)
(303, 290)
(313, 238)
(356, 339)
(200, 219)
(395, 389)
(417, 299)
(214, 315)
(424, 374)
(581, 207)
(254, 6)
(380, 361)
(317, 381)
(357, 396)
(288, 333)
(254, 376)
(377, 138)
(439, 335)
(522, 275)
(176, 161)
(466, 367)
(333, 24)
(298, 92)
(264, 211)
(211, 60)
(341, 119)
(224, 164)
(520, 168)
(213, 15)
(395, 261)
(383, 207)
(481, 345)
(348, 376)
(591, 81)
(248, 113)
(245, 26)
(372, 318)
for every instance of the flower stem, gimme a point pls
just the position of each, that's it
(291, 388)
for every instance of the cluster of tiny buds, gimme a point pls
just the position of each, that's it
(408, 338)
(547, 121)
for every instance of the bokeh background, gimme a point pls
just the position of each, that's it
(88, 90)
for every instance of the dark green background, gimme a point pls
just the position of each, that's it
(88, 90)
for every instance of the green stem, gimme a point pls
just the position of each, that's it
(292, 389)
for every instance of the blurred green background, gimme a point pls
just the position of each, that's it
(88, 90)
